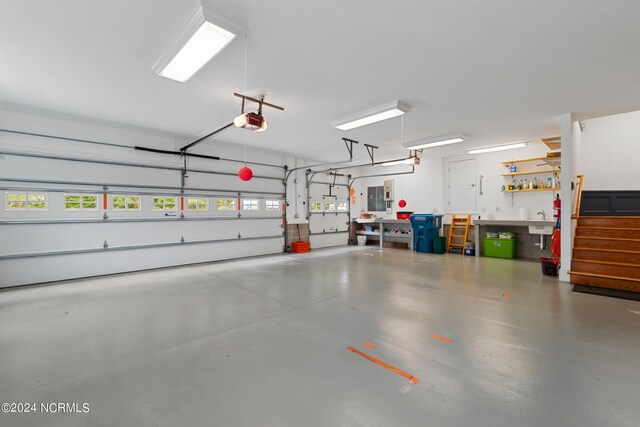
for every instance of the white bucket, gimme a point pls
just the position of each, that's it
(362, 240)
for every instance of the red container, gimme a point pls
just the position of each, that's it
(404, 215)
(300, 247)
(549, 266)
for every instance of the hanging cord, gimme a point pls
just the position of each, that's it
(245, 64)
(245, 154)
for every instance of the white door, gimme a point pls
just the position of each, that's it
(462, 193)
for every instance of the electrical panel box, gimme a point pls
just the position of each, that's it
(375, 199)
(388, 190)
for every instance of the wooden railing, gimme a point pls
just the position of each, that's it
(576, 215)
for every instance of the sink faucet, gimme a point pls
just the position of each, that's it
(542, 213)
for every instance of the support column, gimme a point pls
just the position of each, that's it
(566, 176)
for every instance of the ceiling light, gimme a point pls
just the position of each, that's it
(203, 36)
(251, 121)
(498, 148)
(435, 142)
(200, 49)
(373, 115)
(412, 161)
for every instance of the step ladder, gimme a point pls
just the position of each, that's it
(458, 233)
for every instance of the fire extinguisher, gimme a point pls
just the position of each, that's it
(556, 207)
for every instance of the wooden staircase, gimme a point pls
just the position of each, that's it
(459, 233)
(606, 253)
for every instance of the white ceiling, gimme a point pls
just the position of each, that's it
(497, 70)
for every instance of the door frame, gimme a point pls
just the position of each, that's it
(447, 188)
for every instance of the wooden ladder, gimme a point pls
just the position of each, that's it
(459, 223)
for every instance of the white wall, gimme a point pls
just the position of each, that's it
(424, 190)
(608, 152)
(22, 238)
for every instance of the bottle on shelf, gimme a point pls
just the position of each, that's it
(549, 185)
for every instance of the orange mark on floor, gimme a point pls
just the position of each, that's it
(505, 294)
(393, 369)
(438, 337)
(368, 345)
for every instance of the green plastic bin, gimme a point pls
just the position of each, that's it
(499, 248)
(439, 245)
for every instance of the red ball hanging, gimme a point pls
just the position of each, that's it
(402, 203)
(245, 174)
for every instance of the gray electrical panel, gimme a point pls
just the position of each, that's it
(375, 199)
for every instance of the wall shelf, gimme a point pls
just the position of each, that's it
(534, 159)
(553, 143)
(368, 233)
(538, 172)
(529, 190)
(551, 159)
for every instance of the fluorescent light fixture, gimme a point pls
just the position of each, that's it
(435, 142)
(412, 161)
(203, 36)
(497, 148)
(206, 43)
(373, 115)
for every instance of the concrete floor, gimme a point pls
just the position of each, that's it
(263, 342)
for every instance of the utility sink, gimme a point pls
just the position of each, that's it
(541, 229)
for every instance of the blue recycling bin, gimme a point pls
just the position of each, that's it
(425, 228)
